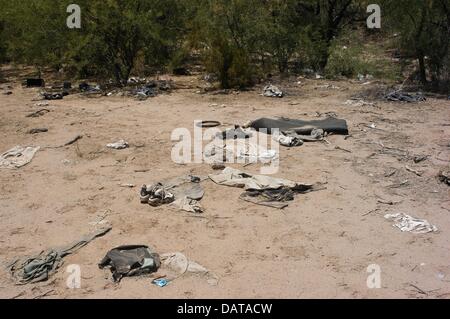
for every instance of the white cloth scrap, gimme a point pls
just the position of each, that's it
(18, 156)
(410, 224)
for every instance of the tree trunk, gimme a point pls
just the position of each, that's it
(422, 69)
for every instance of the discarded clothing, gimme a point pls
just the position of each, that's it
(275, 198)
(410, 224)
(119, 145)
(145, 92)
(183, 192)
(292, 139)
(87, 88)
(53, 96)
(130, 261)
(179, 265)
(18, 156)
(240, 150)
(272, 91)
(261, 189)
(39, 268)
(397, 96)
(328, 125)
(151, 89)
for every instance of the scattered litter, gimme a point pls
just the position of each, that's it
(261, 189)
(152, 88)
(42, 104)
(359, 103)
(54, 96)
(272, 91)
(119, 145)
(88, 88)
(183, 192)
(133, 260)
(38, 113)
(398, 96)
(37, 130)
(179, 265)
(410, 224)
(208, 124)
(38, 268)
(444, 177)
(160, 282)
(362, 77)
(328, 87)
(8, 93)
(288, 141)
(73, 140)
(18, 156)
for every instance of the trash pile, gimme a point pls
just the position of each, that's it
(272, 91)
(152, 89)
(87, 88)
(398, 96)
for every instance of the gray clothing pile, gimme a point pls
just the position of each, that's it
(261, 189)
(40, 267)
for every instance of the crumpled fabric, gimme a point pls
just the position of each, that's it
(410, 224)
(18, 156)
(53, 96)
(272, 91)
(397, 96)
(183, 192)
(178, 265)
(292, 139)
(119, 145)
(131, 260)
(240, 150)
(261, 189)
(41, 267)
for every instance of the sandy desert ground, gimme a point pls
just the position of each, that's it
(318, 247)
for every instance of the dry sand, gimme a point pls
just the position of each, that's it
(318, 247)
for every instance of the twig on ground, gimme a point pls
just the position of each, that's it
(409, 169)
